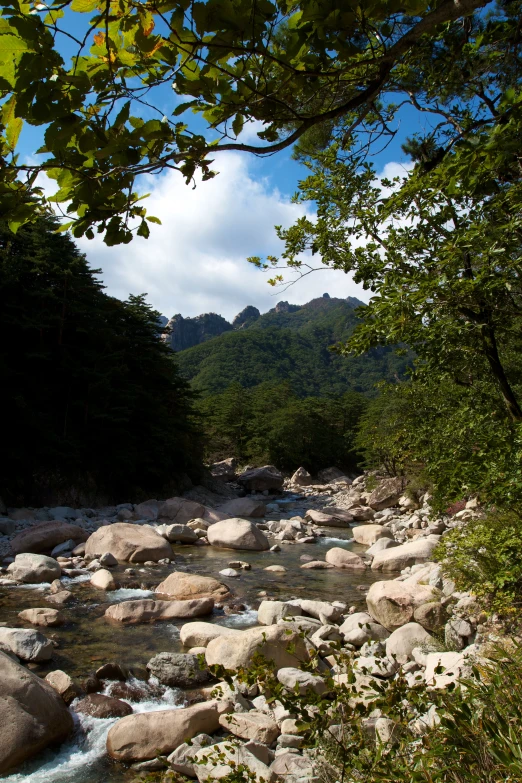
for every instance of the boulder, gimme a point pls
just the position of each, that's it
(180, 510)
(28, 645)
(369, 534)
(330, 518)
(182, 759)
(34, 569)
(7, 526)
(182, 586)
(63, 685)
(225, 469)
(45, 617)
(387, 494)
(294, 767)
(343, 558)
(329, 475)
(270, 612)
(455, 666)
(301, 477)
(103, 580)
(321, 610)
(243, 507)
(260, 479)
(236, 533)
(144, 610)
(405, 555)
(256, 726)
(33, 714)
(316, 565)
(219, 761)
(181, 533)
(98, 706)
(355, 620)
(200, 634)
(147, 510)
(431, 615)
(271, 641)
(380, 545)
(390, 604)
(400, 643)
(145, 735)
(44, 536)
(131, 543)
(291, 678)
(177, 670)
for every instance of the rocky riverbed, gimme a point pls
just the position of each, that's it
(103, 612)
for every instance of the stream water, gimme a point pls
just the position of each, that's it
(87, 640)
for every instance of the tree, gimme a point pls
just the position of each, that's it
(296, 67)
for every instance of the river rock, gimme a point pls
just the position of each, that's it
(321, 610)
(34, 569)
(405, 555)
(291, 677)
(180, 510)
(455, 666)
(182, 759)
(200, 634)
(177, 670)
(45, 536)
(301, 477)
(251, 726)
(294, 767)
(431, 615)
(131, 543)
(343, 558)
(270, 612)
(45, 617)
(7, 526)
(271, 641)
(142, 736)
(316, 565)
(33, 714)
(329, 475)
(387, 494)
(144, 610)
(225, 469)
(402, 641)
(63, 685)
(329, 518)
(380, 545)
(28, 645)
(236, 533)
(182, 533)
(98, 706)
(261, 479)
(369, 534)
(103, 580)
(390, 604)
(211, 763)
(182, 586)
(243, 507)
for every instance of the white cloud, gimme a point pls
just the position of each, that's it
(195, 262)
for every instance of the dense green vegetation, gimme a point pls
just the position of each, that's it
(294, 347)
(271, 424)
(92, 402)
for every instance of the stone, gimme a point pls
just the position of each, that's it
(180, 510)
(390, 603)
(200, 634)
(225, 469)
(211, 763)
(277, 569)
(362, 513)
(321, 610)
(291, 677)
(44, 617)
(33, 715)
(455, 666)
(316, 565)
(369, 534)
(251, 726)
(230, 572)
(329, 475)
(63, 549)
(130, 543)
(108, 560)
(63, 685)
(387, 494)
(181, 533)
(343, 558)
(60, 598)
(431, 615)
(177, 670)
(301, 477)
(293, 767)
(380, 545)
(405, 555)
(270, 612)
(330, 518)
(44, 536)
(26, 644)
(374, 666)
(271, 641)
(146, 610)
(103, 580)
(112, 671)
(182, 586)
(99, 706)
(147, 510)
(142, 736)
(267, 477)
(402, 641)
(34, 569)
(7, 526)
(182, 759)
(243, 507)
(236, 533)
(355, 620)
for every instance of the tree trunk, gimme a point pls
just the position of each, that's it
(491, 351)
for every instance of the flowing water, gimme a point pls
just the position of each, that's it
(87, 640)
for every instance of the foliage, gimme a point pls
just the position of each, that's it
(270, 424)
(483, 557)
(292, 67)
(93, 398)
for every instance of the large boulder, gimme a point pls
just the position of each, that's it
(243, 507)
(219, 761)
(99, 706)
(144, 610)
(256, 726)
(180, 510)
(401, 643)
(131, 543)
(369, 534)
(301, 477)
(270, 612)
(333, 517)
(321, 610)
(329, 475)
(225, 469)
(393, 603)
(380, 546)
(177, 670)
(145, 735)
(260, 479)
(103, 579)
(182, 759)
(399, 557)
(273, 642)
(387, 494)
(33, 714)
(44, 617)
(343, 558)
(27, 644)
(183, 586)
(293, 679)
(45, 536)
(237, 533)
(200, 634)
(34, 569)
(445, 668)
(178, 533)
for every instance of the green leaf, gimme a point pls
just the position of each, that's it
(237, 125)
(84, 6)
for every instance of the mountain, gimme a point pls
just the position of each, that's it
(288, 343)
